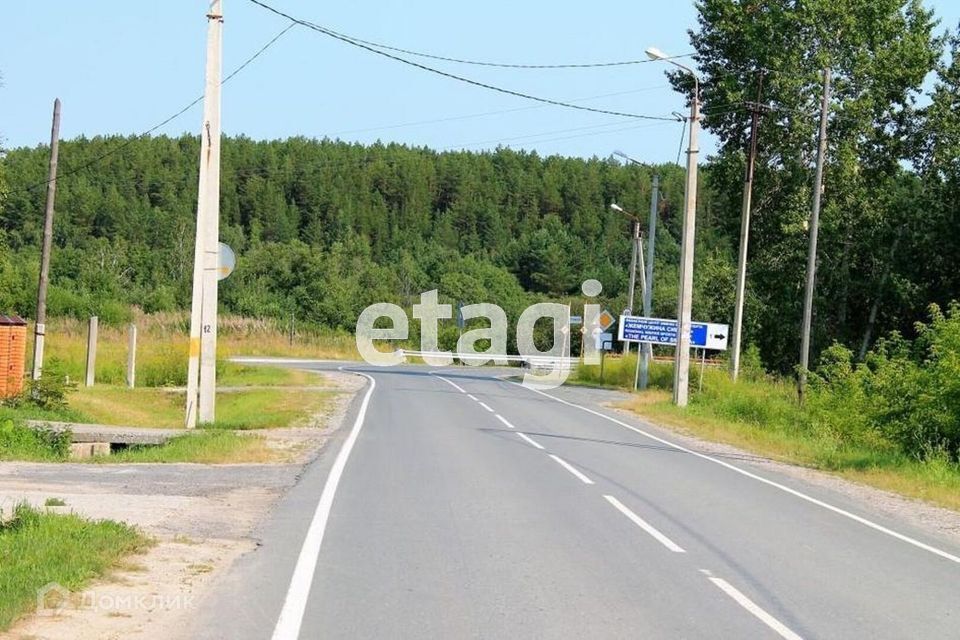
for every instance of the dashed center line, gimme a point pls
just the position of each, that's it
(753, 608)
(531, 441)
(794, 492)
(646, 526)
(566, 465)
(485, 406)
(504, 421)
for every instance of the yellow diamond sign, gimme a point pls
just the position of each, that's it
(606, 320)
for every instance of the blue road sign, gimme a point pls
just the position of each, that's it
(664, 331)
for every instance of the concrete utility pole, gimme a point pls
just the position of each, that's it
(814, 230)
(646, 353)
(745, 233)
(40, 328)
(681, 372)
(201, 374)
(681, 367)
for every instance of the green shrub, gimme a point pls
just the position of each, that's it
(48, 393)
(19, 442)
(905, 393)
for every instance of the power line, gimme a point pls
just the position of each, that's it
(574, 129)
(501, 65)
(491, 113)
(578, 135)
(452, 76)
(683, 134)
(166, 121)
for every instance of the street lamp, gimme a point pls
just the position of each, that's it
(647, 351)
(681, 370)
(635, 243)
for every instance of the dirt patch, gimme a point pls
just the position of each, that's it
(145, 600)
(301, 444)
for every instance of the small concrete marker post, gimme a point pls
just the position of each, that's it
(91, 351)
(132, 357)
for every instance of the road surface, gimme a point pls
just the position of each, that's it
(457, 504)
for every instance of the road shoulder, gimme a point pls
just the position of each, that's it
(203, 518)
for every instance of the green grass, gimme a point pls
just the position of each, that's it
(258, 408)
(54, 502)
(38, 548)
(240, 375)
(619, 372)
(19, 442)
(31, 412)
(219, 446)
(204, 447)
(761, 414)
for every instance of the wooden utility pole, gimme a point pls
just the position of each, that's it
(812, 252)
(736, 345)
(201, 372)
(40, 328)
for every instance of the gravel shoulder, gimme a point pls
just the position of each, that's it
(203, 518)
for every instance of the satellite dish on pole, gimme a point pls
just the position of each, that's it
(226, 261)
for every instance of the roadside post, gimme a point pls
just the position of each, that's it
(577, 321)
(92, 330)
(461, 323)
(604, 344)
(132, 356)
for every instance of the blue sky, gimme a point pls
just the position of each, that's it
(122, 67)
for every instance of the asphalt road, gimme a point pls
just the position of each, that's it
(467, 506)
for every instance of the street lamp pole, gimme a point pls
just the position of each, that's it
(633, 260)
(681, 371)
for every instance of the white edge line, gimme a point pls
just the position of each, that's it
(777, 485)
(531, 440)
(646, 526)
(569, 467)
(504, 421)
(485, 406)
(472, 397)
(753, 608)
(452, 383)
(295, 602)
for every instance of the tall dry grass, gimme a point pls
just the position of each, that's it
(162, 346)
